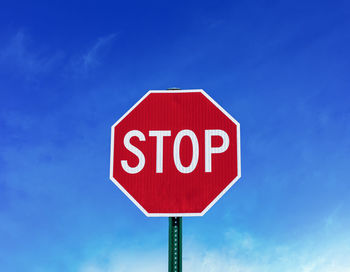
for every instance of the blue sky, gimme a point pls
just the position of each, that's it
(70, 69)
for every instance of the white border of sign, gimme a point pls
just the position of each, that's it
(218, 197)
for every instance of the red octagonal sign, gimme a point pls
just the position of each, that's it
(175, 153)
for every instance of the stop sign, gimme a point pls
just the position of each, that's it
(175, 153)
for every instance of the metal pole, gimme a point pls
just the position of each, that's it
(175, 244)
(175, 238)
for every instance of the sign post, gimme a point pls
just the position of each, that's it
(175, 244)
(174, 154)
(175, 238)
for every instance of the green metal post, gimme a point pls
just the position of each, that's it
(175, 244)
(175, 238)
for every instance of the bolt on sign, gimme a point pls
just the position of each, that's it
(175, 153)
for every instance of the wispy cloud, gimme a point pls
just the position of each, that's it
(23, 56)
(19, 56)
(94, 55)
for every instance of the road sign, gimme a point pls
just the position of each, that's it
(175, 153)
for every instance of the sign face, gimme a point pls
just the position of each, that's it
(175, 153)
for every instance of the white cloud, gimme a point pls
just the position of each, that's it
(128, 261)
(93, 56)
(241, 253)
(19, 56)
(22, 56)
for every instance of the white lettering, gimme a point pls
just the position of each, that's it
(135, 150)
(159, 148)
(214, 150)
(195, 149)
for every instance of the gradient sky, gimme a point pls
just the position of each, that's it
(70, 69)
